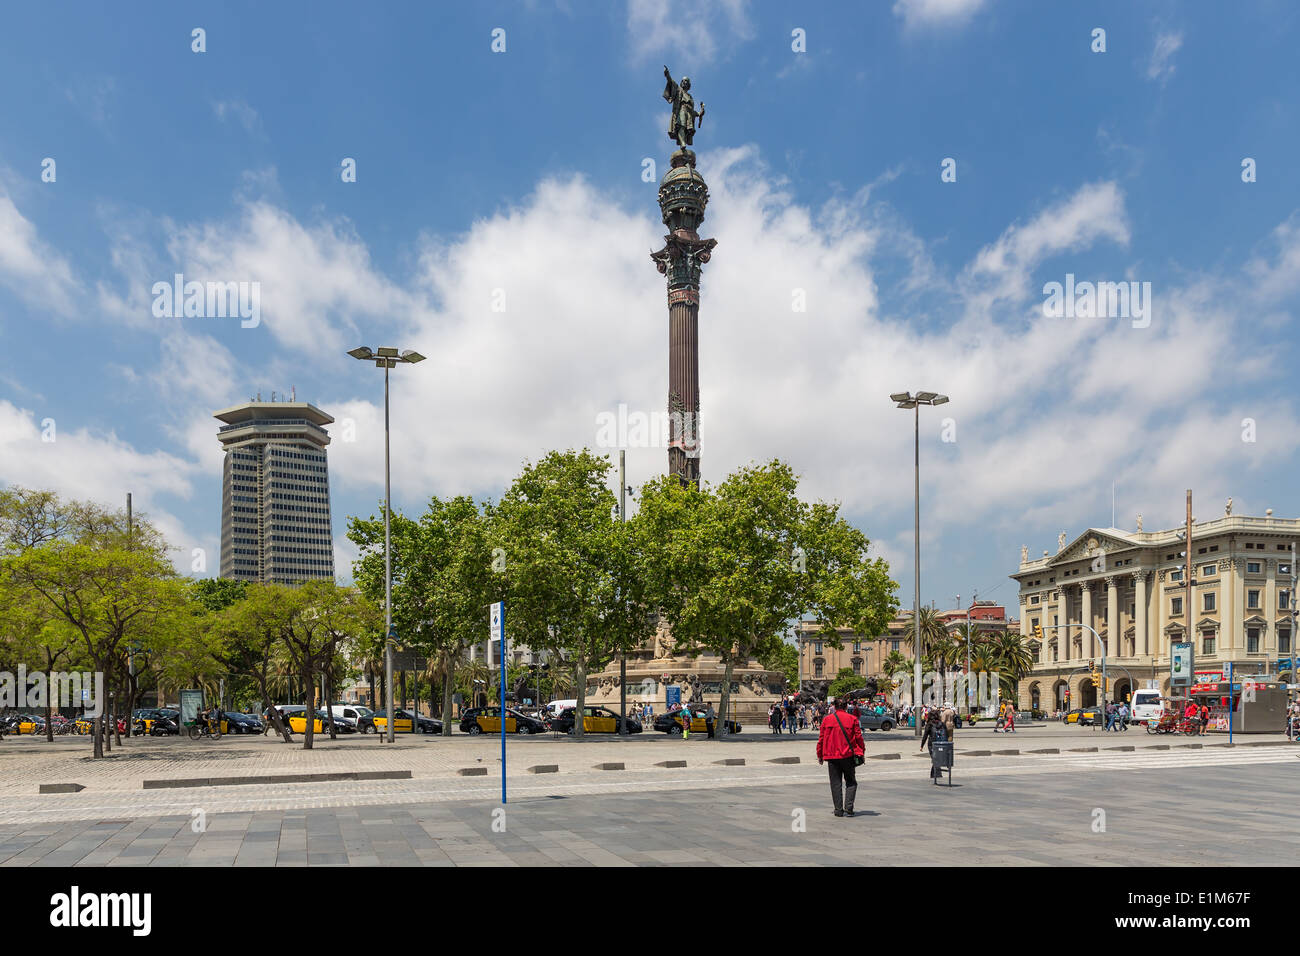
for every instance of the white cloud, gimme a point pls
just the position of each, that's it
(1002, 270)
(1161, 65)
(240, 112)
(317, 283)
(29, 266)
(685, 28)
(80, 464)
(929, 13)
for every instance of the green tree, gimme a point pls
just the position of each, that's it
(845, 681)
(108, 595)
(895, 662)
(729, 567)
(778, 655)
(443, 578)
(574, 580)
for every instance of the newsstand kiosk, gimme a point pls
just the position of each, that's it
(1261, 709)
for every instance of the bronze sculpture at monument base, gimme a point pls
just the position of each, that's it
(653, 668)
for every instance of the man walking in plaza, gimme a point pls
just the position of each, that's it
(708, 720)
(840, 744)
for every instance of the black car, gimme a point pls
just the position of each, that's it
(342, 725)
(241, 723)
(596, 720)
(487, 720)
(671, 723)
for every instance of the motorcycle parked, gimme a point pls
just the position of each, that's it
(159, 727)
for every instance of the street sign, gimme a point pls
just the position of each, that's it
(497, 632)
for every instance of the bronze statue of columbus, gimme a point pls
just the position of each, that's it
(681, 125)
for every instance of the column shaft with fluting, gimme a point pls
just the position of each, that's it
(682, 198)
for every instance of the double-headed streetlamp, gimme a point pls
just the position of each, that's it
(387, 358)
(908, 400)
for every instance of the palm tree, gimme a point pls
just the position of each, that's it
(471, 677)
(1014, 660)
(895, 662)
(933, 632)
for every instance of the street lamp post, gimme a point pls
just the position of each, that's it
(908, 400)
(387, 358)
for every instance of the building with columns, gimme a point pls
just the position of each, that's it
(1129, 586)
(865, 656)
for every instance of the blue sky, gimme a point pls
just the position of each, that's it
(520, 172)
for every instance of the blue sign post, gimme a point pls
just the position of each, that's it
(497, 632)
(1232, 699)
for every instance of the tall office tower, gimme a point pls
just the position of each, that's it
(275, 493)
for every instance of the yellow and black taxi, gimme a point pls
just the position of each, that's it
(674, 721)
(405, 722)
(595, 720)
(25, 724)
(295, 715)
(487, 720)
(1084, 717)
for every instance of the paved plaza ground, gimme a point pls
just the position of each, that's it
(1166, 802)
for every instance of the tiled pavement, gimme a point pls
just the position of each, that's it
(25, 763)
(1215, 812)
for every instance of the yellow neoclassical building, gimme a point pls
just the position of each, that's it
(1129, 586)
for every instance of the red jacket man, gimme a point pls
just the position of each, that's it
(839, 740)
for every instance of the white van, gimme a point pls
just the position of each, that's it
(362, 717)
(1146, 705)
(559, 706)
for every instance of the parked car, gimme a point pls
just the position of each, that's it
(595, 720)
(487, 720)
(235, 723)
(870, 721)
(296, 716)
(405, 723)
(671, 722)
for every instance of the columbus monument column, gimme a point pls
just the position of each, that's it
(655, 666)
(682, 198)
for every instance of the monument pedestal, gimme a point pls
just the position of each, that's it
(653, 668)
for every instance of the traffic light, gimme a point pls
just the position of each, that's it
(1038, 631)
(1096, 679)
